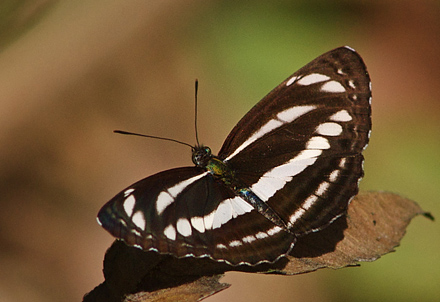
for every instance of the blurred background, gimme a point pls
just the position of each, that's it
(73, 71)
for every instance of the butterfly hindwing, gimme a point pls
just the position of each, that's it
(185, 212)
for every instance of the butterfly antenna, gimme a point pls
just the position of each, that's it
(195, 112)
(152, 136)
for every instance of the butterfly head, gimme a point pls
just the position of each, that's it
(201, 155)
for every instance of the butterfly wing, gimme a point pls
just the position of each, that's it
(299, 149)
(186, 212)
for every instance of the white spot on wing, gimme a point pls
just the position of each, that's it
(209, 220)
(128, 205)
(334, 175)
(223, 213)
(306, 155)
(291, 114)
(322, 188)
(296, 215)
(261, 235)
(165, 198)
(269, 126)
(313, 79)
(266, 187)
(342, 162)
(136, 232)
(276, 179)
(274, 230)
(266, 128)
(333, 86)
(307, 204)
(235, 243)
(221, 246)
(128, 192)
(248, 239)
(183, 227)
(318, 142)
(139, 220)
(341, 116)
(291, 80)
(329, 129)
(170, 232)
(198, 223)
(227, 210)
(179, 187)
(283, 117)
(240, 206)
(351, 84)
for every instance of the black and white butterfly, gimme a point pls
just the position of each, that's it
(289, 167)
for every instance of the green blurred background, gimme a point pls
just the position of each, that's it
(73, 71)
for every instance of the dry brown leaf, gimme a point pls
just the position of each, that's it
(194, 291)
(376, 222)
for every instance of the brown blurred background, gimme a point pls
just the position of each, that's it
(71, 72)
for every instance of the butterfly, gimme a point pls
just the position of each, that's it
(288, 168)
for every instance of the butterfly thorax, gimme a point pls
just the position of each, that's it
(203, 158)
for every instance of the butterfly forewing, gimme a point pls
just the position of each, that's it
(296, 155)
(299, 149)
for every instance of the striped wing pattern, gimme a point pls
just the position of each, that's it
(314, 141)
(297, 152)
